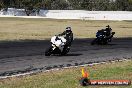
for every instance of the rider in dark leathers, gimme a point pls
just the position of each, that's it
(108, 31)
(68, 35)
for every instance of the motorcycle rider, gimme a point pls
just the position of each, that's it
(68, 35)
(108, 31)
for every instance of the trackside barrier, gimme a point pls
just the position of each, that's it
(71, 14)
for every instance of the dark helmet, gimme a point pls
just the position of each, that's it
(108, 26)
(68, 29)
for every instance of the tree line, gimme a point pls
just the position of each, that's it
(91, 5)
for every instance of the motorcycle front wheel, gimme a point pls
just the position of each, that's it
(94, 41)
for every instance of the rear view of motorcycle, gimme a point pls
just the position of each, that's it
(103, 36)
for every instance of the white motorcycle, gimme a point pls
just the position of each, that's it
(57, 46)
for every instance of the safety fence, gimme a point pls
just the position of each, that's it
(70, 14)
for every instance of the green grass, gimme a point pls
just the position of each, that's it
(40, 29)
(69, 78)
(12, 29)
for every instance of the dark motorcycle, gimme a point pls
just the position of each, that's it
(102, 39)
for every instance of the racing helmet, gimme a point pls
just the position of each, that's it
(68, 28)
(108, 26)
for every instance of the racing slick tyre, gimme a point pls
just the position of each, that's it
(94, 41)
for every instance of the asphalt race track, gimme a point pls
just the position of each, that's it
(29, 55)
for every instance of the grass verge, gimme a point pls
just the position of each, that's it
(69, 78)
(39, 29)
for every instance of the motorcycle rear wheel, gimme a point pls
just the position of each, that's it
(65, 51)
(94, 41)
